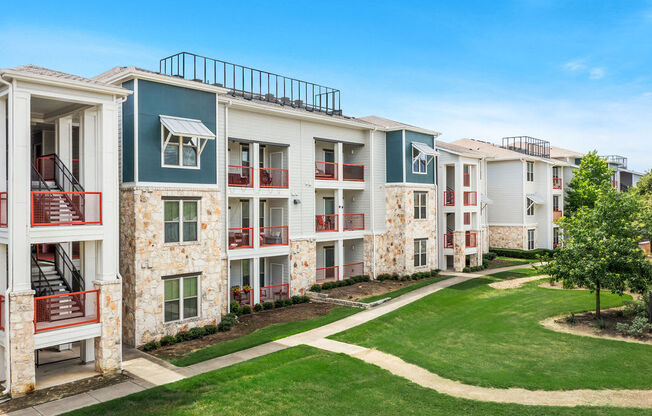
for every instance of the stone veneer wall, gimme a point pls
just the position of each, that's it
(303, 263)
(107, 346)
(508, 236)
(145, 258)
(395, 248)
(21, 339)
(459, 247)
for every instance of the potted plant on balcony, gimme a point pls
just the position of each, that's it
(235, 290)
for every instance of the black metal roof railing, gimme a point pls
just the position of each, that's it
(528, 145)
(252, 83)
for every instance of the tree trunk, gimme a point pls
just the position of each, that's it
(597, 302)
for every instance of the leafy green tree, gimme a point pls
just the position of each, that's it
(592, 176)
(600, 247)
(643, 191)
(644, 186)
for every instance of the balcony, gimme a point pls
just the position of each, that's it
(326, 223)
(556, 215)
(327, 274)
(241, 238)
(470, 198)
(449, 241)
(65, 208)
(3, 209)
(242, 176)
(353, 172)
(274, 292)
(326, 170)
(556, 183)
(353, 222)
(244, 296)
(273, 178)
(449, 198)
(471, 239)
(353, 269)
(65, 310)
(273, 236)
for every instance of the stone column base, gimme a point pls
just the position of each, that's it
(21, 339)
(107, 346)
(459, 244)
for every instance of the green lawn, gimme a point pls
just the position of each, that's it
(516, 273)
(405, 289)
(305, 381)
(484, 336)
(261, 336)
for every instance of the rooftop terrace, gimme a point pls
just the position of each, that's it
(528, 145)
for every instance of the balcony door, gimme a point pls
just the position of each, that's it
(244, 214)
(329, 155)
(245, 155)
(276, 217)
(329, 206)
(329, 256)
(276, 160)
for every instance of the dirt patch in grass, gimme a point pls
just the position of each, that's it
(515, 283)
(61, 391)
(586, 324)
(364, 290)
(246, 324)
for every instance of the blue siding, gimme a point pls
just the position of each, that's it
(128, 135)
(393, 155)
(413, 137)
(156, 99)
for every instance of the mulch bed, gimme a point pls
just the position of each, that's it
(246, 324)
(61, 391)
(586, 322)
(364, 290)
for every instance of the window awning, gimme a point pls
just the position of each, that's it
(485, 199)
(186, 127)
(425, 149)
(535, 198)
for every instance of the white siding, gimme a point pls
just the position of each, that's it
(505, 189)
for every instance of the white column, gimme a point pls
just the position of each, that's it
(339, 154)
(3, 144)
(339, 208)
(459, 195)
(255, 163)
(255, 279)
(339, 246)
(64, 140)
(89, 150)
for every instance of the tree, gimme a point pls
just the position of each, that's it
(600, 247)
(644, 186)
(643, 191)
(592, 176)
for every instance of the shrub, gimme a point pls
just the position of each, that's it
(258, 307)
(235, 307)
(637, 328)
(384, 276)
(245, 310)
(315, 288)
(634, 308)
(296, 299)
(287, 302)
(305, 299)
(600, 324)
(571, 318)
(151, 346)
(278, 303)
(268, 305)
(210, 329)
(168, 340)
(490, 255)
(195, 333)
(522, 254)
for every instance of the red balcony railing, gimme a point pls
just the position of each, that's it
(467, 179)
(325, 223)
(556, 183)
(353, 222)
(327, 274)
(243, 296)
(241, 238)
(241, 176)
(3, 209)
(556, 215)
(326, 170)
(66, 208)
(352, 172)
(353, 269)
(449, 198)
(449, 241)
(67, 309)
(470, 198)
(2, 312)
(274, 292)
(273, 178)
(471, 239)
(273, 236)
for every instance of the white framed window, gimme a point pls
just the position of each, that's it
(420, 205)
(555, 237)
(555, 203)
(530, 239)
(181, 299)
(179, 151)
(530, 171)
(529, 207)
(419, 162)
(420, 252)
(181, 220)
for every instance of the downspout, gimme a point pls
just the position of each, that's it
(226, 204)
(10, 282)
(373, 205)
(118, 102)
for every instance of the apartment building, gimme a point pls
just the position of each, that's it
(61, 292)
(623, 178)
(527, 189)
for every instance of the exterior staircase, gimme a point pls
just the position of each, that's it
(55, 203)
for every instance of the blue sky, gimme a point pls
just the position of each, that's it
(576, 73)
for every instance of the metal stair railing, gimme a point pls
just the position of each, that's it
(64, 266)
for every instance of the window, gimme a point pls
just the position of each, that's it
(555, 203)
(419, 162)
(420, 252)
(420, 205)
(467, 218)
(180, 151)
(555, 237)
(181, 299)
(555, 171)
(530, 171)
(530, 239)
(181, 221)
(529, 207)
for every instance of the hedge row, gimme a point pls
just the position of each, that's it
(485, 264)
(522, 254)
(339, 283)
(238, 309)
(413, 276)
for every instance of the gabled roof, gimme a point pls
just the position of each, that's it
(392, 125)
(496, 152)
(461, 150)
(45, 74)
(561, 152)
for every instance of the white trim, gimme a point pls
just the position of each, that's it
(170, 185)
(136, 110)
(403, 154)
(181, 298)
(166, 140)
(181, 202)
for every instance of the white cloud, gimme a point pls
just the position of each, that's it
(596, 73)
(573, 66)
(580, 66)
